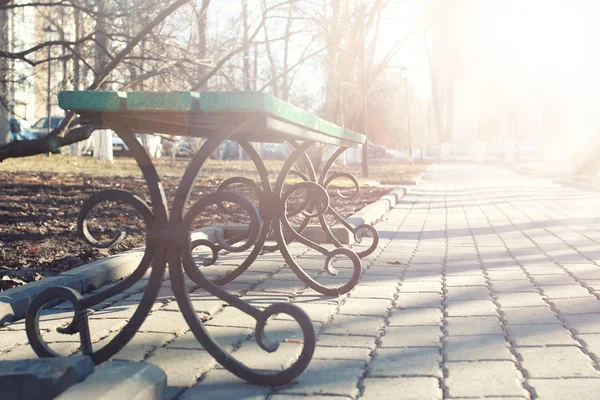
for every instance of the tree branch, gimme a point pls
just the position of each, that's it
(150, 74)
(21, 55)
(239, 49)
(62, 135)
(302, 59)
(69, 4)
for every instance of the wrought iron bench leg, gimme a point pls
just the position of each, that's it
(168, 242)
(275, 213)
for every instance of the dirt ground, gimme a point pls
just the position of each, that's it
(41, 199)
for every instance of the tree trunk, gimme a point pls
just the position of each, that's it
(103, 142)
(435, 98)
(4, 120)
(246, 51)
(331, 82)
(591, 163)
(273, 65)
(449, 113)
(65, 60)
(76, 147)
(202, 41)
(77, 48)
(255, 71)
(286, 44)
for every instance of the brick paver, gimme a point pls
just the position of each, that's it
(486, 284)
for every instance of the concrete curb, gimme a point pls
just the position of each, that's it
(413, 182)
(42, 378)
(576, 184)
(14, 302)
(525, 171)
(564, 181)
(120, 380)
(369, 214)
(555, 177)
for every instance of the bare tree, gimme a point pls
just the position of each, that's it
(123, 47)
(5, 135)
(351, 73)
(591, 162)
(65, 134)
(201, 17)
(103, 142)
(438, 94)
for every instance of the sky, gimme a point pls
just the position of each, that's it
(536, 57)
(528, 55)
(403, 18)
(400, 19)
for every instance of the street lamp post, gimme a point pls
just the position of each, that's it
(365, 146)
(410, 148)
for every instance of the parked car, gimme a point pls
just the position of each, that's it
(118, 144)
(188, 146)
(275, 151)
(40, 128)
(230, 150)
(433, 151)
(183, 145)
(376, 150)
(18, 130)
(154, 144)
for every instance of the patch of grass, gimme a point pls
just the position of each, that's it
(126, 166)
(386, 172)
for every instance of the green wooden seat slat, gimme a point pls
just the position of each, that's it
(163, 101)
(108, 101)
(206, 102)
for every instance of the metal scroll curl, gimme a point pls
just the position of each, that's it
(341, 175)
(118, 195)
(305, 204)
(229, 244)
(317, 204)
(276, 209)
(122, 196)
(184, 257)
(325, 179)
(265, 200)
(219, 198)
(359, 232)
(320, 199)
(79, 323)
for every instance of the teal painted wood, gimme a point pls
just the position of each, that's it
(163, 101)
(209, 102)
(85, 100)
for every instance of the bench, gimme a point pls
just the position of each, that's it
(216, 116)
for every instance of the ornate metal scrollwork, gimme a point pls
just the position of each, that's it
(118, 195)
(168, 242)
(359, 231)
(276, 210)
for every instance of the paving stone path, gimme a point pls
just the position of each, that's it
(486, 284)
